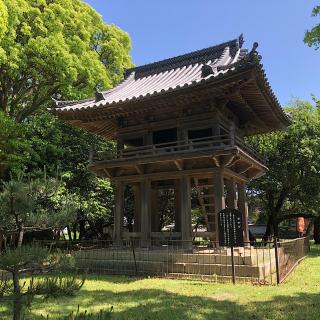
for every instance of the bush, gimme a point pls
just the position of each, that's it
(102, 315)
(56, 286)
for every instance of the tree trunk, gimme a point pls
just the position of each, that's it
(69, 233)
(317, 230)
(267, 234)
(1, 241)
(309, 228)
(75, 232)
(17, 300)
(21, 233)
(82, 228)
(275, 226)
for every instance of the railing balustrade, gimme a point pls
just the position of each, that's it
(217, 142)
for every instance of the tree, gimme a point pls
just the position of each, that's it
(53, 145)
(30, 259)
(3, 20)
(291, 187)
(312, 37)
(58, 48)
(26, 206)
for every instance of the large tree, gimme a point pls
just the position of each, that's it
(291, 187)
(55, 48)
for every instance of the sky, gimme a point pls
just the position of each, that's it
(161, 29)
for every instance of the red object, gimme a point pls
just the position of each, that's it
(300, 224)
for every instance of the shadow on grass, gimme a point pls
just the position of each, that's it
(150, 304)
(157, 304)
(116, 279)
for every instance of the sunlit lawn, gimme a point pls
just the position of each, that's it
(131, 298)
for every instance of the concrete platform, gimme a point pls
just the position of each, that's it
(250, 264)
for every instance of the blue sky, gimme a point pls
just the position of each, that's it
(161, 29)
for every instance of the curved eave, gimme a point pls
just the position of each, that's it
(271, 97)
(124, 105)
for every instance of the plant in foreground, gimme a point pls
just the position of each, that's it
(27, 260)
(78, 315)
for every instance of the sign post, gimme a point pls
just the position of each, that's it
(230, 232)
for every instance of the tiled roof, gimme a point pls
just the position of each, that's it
(167, 75)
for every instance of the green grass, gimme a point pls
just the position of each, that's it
(132, 298)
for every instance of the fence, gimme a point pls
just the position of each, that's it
(291, 253)
(262, 263)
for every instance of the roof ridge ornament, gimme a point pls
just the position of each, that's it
(98, 95)
(253, 55)
(240, 41)
(206, 70)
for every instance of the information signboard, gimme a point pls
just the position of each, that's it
(230, 228)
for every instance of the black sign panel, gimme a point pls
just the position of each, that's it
(230, 228)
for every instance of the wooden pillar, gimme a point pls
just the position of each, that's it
(177, 206)
(120, 144)
(148, 138)
(232, 134)
(243, 208)
(145, 195)
(185, 207)
(118, 212)
(155, 215)
(219, 200)
(231, 194)
(137, 208)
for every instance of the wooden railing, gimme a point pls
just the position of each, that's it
(219, 142)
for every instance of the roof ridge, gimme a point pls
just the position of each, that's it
(193, 56)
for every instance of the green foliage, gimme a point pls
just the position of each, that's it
(38, 203)
(23, 258)
(13, 147)
(16, 204)
(58, 145)
(63, 49)
(79, 315)
(312, 37)
(292, 183)
(5, 285)
(60, 48)
(3, 21)
(31, 259)
(56, 286)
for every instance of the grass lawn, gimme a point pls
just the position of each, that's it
(132, 298)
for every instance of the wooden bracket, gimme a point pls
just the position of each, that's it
(216, 161)
(139, 168)
(107, 173)
(241, 169)
(179, 164)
